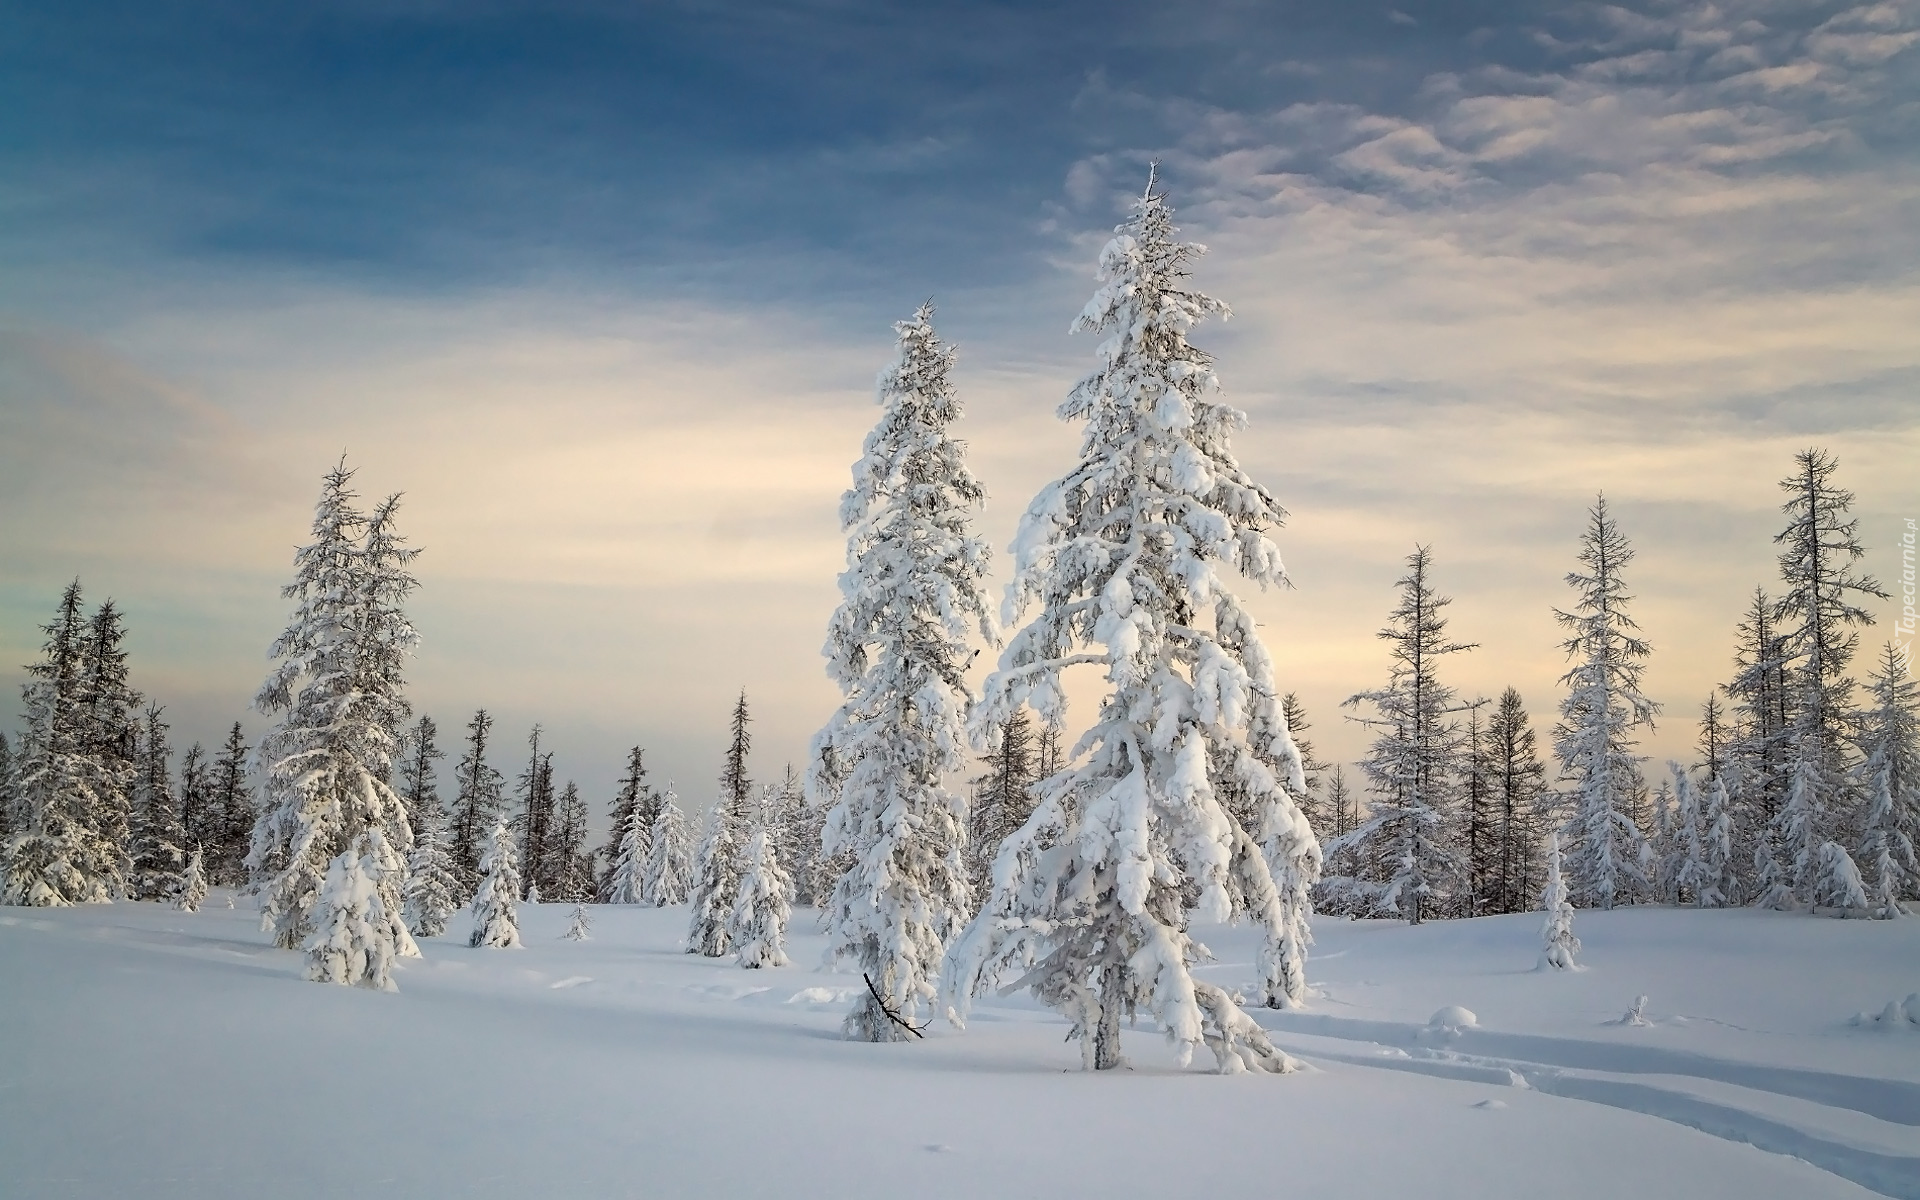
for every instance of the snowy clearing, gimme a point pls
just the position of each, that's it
(163, 1054)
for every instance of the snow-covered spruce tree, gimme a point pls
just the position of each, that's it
(578, 924)
(1003, 797)
(1093, 897)
(571, 860)
(897, 646)
(534, 821)
(158, 836)
(1666, 844)
(231, 812)
(1756, 769)
(478, 805)
(196, 800)
(1610, 861)
(331, 841)
(627, 878)
(1517, 779)
(112, 734)
(1477, 826)
(12, 819)
(353, 940)
(64, 853)
(1409, 866)
(419, 784)
(669, 869)
(494, 921)
(1559, 946)
(1817, 617)
(1890, 776)
(432, 893)
(1695, 878)
(1312, 770)
(629, 834)
(192, 892)
(716, 881)
(1718, 879)
(757, 927)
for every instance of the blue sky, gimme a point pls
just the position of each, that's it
(603, 287)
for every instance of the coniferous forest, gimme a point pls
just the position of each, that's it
(953, 841)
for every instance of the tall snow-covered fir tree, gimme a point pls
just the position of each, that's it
(1890, 777)
(112, 737)
(159, 839)
(419, 780)
(196, 800)
(534, 821)
(1003, 796)
(569, 861)
(12, 820)
(332, 838)
(1516, 779)
(495, 922)
(231, 811)
(479, 803)
(897, 646)
(65, 852)
(1405, 850)
(1756, 771)
(1094, 896)
(716, 881)
(668, 878)
(1688, 858)
(1817, 616)
(433, 892)
(757, 926)
(1610, 860)
(629, 834)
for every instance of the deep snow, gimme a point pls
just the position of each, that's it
(149, 1052)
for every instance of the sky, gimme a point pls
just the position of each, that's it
(603, 288)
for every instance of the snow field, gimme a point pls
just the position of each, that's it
(151, 1052)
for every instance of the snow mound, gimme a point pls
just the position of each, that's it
(1635, 1016)
(1452, 1019)
(1491, 1104)
(1898, 1015)
(821, 995)
(571, 981)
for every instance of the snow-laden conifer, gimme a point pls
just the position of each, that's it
(578, 924)
(494, 920)
(897, 646)
(1756, 756)
(192, 892)
(669, 869)
(1610, 859)
(65, 852)
(1696, 876)
(1818, 615)
(757, 927)
(629, 834)
(230, 812)
(158, 835)
(12, 817)
(1559, 946)
(356, 935)
(1408, 865)
(1837, 883)
(479, 802)
(626, 884)
(1719, 879)
(1094, 896)
(1891, 780)
(330, 826)
(716, 881)
(432, 892)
